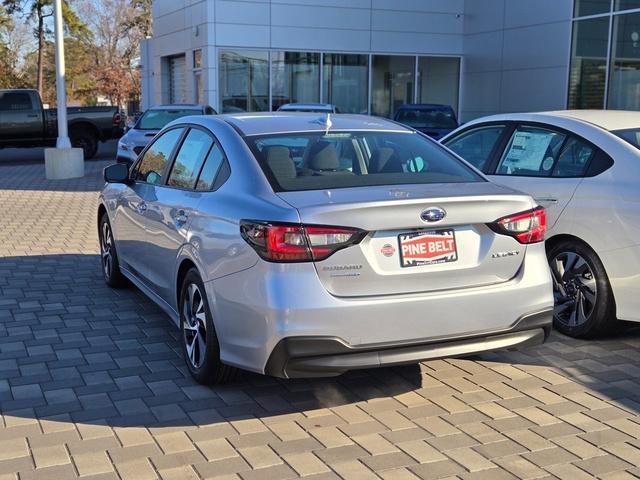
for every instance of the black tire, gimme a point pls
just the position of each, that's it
(199, 336)
(585, 307)
(86, 140)
(108, 256)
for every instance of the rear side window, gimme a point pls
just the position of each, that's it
(573, 159)
(154, 162)
(475, 146)
(15, 101)
(211, 168)
(317, 161)
(189, 160)
(531, 152)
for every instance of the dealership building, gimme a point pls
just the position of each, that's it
(370, 56)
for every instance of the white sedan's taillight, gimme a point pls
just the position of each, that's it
(280, 242)
(526, 227)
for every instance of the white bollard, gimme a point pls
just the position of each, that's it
(62, 163)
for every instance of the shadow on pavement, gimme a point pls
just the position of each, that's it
(72, 349)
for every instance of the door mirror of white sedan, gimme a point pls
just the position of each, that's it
(116, 173)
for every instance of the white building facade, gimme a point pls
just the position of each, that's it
(370, 56)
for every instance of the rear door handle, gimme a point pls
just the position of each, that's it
(181, 218)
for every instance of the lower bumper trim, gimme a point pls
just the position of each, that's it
(295, 357)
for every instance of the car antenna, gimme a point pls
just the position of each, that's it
(328, 123)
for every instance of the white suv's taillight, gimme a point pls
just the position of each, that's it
(526, 227)
(282, 242)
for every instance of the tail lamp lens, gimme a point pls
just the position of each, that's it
(297, 243)
(526, 227)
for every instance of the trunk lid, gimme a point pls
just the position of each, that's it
(466, 252)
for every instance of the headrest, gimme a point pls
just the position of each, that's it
(280, 162)
(324, 157)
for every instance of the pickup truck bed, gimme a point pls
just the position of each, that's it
(25, 123)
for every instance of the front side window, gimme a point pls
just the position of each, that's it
(475, 146)
(154, 162)
(189, 160)
(531, 152)
(158, 119)
(207, 178)
(314, 161)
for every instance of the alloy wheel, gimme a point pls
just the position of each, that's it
(194, 325)
(575, 289)
(106, 245)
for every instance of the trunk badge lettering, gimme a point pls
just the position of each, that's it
(433, 214)
(512, 253)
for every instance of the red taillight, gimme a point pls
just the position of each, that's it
(279, 242)
(526, 227)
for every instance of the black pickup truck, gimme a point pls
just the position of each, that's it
(25, 123)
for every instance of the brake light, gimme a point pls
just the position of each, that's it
(282, 242)
(526, 227)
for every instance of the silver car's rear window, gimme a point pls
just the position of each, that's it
(156, 119)
(631, 135)
(316, 161)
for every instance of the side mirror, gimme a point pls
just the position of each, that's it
(116, 173)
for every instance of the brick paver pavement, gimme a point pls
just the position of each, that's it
(92, 385)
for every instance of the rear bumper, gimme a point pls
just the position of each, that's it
(329, 356)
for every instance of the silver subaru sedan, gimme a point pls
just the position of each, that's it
(306, 244)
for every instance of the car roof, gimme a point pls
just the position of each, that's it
(605, 119)
(266, 123)
(307, 105)
(178, 106)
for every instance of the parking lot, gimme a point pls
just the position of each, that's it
(92, 385)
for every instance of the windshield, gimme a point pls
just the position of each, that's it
(318, 161)
(631, 135)
(157, 119)
(432, 118)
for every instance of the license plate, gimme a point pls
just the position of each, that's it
(427, 248)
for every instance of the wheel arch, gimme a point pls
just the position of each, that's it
(101, 211)
(554, 240)
(186, 264)
(84, 125)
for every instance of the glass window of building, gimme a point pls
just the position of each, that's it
(624, 93)
(392, 83)
(295, 78)
(588, 63)
(244, 81)
(198, 87)
(438, 81)
(626, 4)
(346, 81)
(582, 8)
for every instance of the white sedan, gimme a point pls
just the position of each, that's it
(584, 167)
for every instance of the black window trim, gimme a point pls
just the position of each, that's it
(187, 128)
